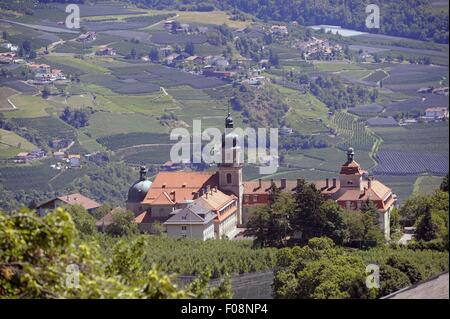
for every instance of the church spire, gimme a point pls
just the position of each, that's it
(229, 120)
(350, 154)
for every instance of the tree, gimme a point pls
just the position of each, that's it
(122, 224)
(84, 222)
(430, 226)
(444, 184)
(189, 48)
(361, 231)
(45, 92)
(270, 224)
(154, 55)
(392, 280)
(319, 270)
(416, 205)
(39, 258)
(307, 218)
(32, 54)
(273, 58)
(26, 46)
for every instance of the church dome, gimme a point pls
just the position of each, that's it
(138, 190)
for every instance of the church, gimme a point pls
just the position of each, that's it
(215, 204)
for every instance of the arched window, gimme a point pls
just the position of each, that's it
(228, 178)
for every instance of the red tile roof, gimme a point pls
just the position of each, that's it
(78, 199)
(179, 186)
(351, 168)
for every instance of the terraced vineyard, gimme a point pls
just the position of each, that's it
(407, 163)
(354, 132)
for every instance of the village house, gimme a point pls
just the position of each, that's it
(194, 59)
(23, 157)
(74, 160)
(70, 199)
(218, 74)
(173, 58)
(40, 68)
(105, 51)
(60, 143)
(10, 46)
(108, 219)
(87, 37)
(212, 215)
(59, 156)
(7, 57)
(279, 29)
(165, 51)
(168, 25)
(436, 113)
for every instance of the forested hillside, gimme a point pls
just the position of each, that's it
(413, 19)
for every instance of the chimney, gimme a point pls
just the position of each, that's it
(327, 183)
(283, 183)
(173, 195)
(259, 183)
(334, 182)
(271, 182)
(369, 183)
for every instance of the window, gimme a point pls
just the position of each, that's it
(255, 198)
(246, 198)
(183, 227)
(348, 204)
(228, 178)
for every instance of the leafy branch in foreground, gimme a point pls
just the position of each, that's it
(37, 255)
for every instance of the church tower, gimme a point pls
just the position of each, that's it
(351, 175)
(230, 168)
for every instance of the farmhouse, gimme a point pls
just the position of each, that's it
(172, 58)
(87, 37)
(70, 199)
(279, 29)
(105, 51)
(7, 57)
(59, 156)
(9, 46)
(436, 113)
(173, 191)
(218, 74)
(74, 160)
(165, 51)
(194, 59)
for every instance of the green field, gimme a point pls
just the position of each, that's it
(427, 184)
(431, 138)
(29, 106)
(5, 94)
(105, 123)
(11, 144)
(306, 114)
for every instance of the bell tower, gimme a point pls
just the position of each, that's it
(230, 168)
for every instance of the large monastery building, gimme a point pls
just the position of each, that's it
(214, 204)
